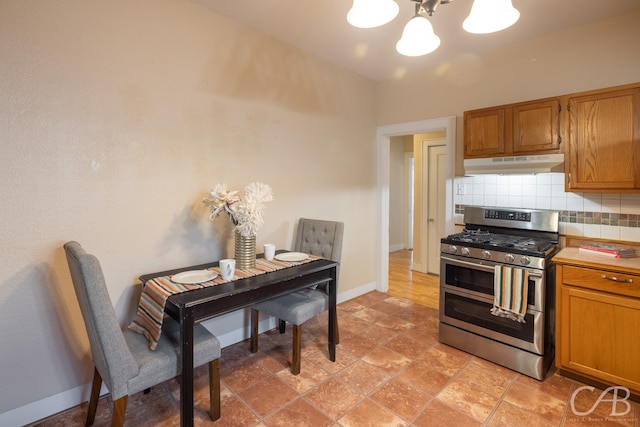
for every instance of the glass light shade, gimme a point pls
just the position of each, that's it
(372, 13)
(489, 16)
(418, 38)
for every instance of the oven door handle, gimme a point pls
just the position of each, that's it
(484, 267)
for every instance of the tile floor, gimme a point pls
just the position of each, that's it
(390, 371)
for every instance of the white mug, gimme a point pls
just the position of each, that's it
(269, 251)
(227, 268)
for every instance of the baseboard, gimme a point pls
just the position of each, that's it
(52, 405)
(46, 407)
(356, 292)
(397, 247)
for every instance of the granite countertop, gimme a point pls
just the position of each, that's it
(573, 256)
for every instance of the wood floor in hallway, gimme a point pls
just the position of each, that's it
(419, 287)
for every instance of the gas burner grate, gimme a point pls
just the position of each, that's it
(488, 240)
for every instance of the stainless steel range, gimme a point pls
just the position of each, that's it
(522, 238)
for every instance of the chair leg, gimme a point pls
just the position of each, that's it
(335, 319)
(297, 349)
(253, 343)
(93, 399)
(214, 389)
(282, 326)
(119, 408)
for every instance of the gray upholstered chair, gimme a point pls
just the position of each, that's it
(316, 237)
(122, 358)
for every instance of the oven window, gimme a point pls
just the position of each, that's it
(477, 280)
(478, 313)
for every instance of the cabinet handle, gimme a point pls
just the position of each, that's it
(615, 279)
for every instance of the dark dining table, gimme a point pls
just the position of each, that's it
(189, 308)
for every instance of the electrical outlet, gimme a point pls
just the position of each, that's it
(460, 189)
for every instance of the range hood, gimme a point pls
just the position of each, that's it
(515, 165)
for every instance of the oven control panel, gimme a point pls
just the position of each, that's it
(538, 220)
(507, 215)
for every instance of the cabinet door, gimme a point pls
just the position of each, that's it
(536, 127)
(604, 141)
(484, 132)
(599, 336)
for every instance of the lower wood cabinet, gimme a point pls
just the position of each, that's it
(598, 325)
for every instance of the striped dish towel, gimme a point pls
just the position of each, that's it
(510, 290)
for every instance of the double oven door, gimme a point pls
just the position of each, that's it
(467, 296)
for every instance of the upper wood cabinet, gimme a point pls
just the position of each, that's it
(536, 126)
(484, 132)
(513, 130)
(603, 152)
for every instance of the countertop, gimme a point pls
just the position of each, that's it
(573, 256)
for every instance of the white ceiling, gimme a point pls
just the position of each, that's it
(320, 27)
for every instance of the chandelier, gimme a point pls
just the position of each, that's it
(418, 37)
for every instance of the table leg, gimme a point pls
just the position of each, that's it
(186, 383)
(333, 314)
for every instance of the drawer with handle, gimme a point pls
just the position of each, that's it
(602, 280)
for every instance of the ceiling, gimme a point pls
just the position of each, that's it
(320, 28)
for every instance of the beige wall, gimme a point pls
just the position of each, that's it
(601, 54)
(116, 118)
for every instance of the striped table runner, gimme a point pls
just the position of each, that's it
(150, 314)
(510, 291)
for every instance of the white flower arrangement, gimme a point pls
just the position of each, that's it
(244, 211)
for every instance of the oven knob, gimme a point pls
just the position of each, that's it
(509, 258)
(464, 251)
(525, 260)
(486, 254)
(453, 249)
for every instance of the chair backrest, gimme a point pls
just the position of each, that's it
(320, 237)
(109, 349)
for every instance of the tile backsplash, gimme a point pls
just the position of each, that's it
(602, 215)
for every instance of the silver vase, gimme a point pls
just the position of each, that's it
(245, 251)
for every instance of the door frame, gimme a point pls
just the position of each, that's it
(383, 157)
(409, 208)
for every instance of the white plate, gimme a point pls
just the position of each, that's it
(292, 256)
(194, 276)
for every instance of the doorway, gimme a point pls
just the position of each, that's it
(384, 133)
(430, 200)
(437, 200)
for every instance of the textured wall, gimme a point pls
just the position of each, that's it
(116, 118)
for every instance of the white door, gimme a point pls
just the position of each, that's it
(437, 161)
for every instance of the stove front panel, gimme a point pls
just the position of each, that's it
(466, 322)
(474, 316)
(464, 275)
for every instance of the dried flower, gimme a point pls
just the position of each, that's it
(245, 212)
